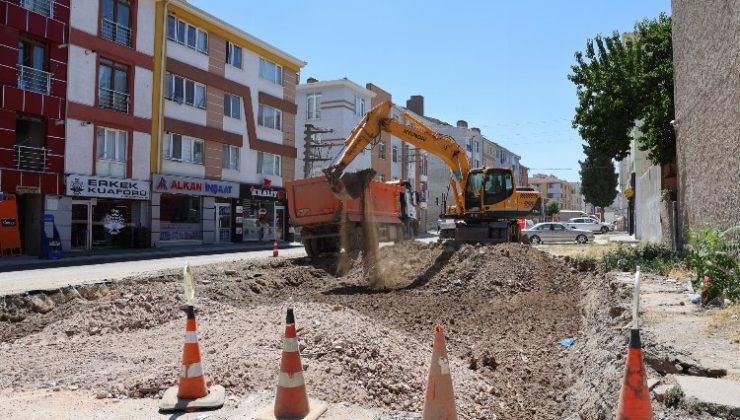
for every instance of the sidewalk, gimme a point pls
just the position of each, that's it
(24, 262)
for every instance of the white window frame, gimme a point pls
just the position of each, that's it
(231, 50)
(271, 71)
(313, 106)
(120, 149)
(199, 90)
(181, 37)
(191, 157)
(233, 102)
(263, 167)
(277, 117)
(359, 105)
(381, 150)
(231, 157)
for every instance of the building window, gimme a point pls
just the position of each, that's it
(313, 106)
(381, 150)
(232, 106)
(182, 90)
(382, 177)
(187, 34)
(115, 24)
(113, 85)
(268, 164)
(183, 148)
(231, 157)
(43, 7)
(110, 152)
(234, 54)
(423, 169)
(477, 147)
(31, 68)
(394, 154)
(269, 117)
(359, 106)
(477, 163)
(468, 145)
(271, 71)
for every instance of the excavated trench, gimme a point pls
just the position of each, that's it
(504, 309)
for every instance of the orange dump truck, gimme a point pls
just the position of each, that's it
(317, 213)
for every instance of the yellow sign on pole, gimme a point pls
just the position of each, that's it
(189, 284)
(629, 192)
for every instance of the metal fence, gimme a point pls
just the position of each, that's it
(29, 158)
(112, 99)
(115, 32)
(35, 80)
(44, 7)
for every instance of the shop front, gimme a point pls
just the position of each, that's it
(108, 213)
(263, 213)
(192, 210)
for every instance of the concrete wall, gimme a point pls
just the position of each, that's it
(706, 36)
(648, 205)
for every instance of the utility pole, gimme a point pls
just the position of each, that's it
(309, 146)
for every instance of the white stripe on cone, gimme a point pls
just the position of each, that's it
(191, 337)
(290, 381)
(191, 371)
(290, 345)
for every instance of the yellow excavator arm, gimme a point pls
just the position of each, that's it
(419, 135)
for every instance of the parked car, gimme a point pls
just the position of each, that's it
(590, 224)
(556, 232)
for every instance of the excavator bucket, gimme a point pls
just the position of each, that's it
(352, 184)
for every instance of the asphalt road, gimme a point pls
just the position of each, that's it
(54, 278)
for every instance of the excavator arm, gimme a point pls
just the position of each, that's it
(369, 129)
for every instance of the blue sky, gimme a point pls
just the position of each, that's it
(500, 65)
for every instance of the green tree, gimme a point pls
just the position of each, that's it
(598, 179)
(621, 80)
(552, 207)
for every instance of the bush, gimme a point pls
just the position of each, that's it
(714, 255)
(650, 257)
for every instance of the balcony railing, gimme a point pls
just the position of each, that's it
(35, 80)
(115, 32)
(29, 158)
(44, 7)
(112, 99)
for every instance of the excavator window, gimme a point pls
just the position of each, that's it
(499, 185)
(473, 191)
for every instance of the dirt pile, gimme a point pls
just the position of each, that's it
(504, 308)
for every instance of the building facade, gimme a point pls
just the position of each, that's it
(108, 125)
(224, 140)
(33, 79)
(707, 118)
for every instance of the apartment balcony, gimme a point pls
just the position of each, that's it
(112, 99)
(29, 158)
(34, 80)
(115, 32)
(43, 7)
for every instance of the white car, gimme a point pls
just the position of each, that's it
(590, 224)
(556, 232)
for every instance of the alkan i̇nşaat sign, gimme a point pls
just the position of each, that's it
(97, 186)
(194, 186)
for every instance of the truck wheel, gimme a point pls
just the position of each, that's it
(311, 247)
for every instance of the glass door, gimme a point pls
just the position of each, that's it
(81, 224)
(223, 222)
(279, 221)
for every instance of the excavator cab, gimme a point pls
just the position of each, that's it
(487, 187)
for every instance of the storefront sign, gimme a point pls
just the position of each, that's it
(194, 186)
(259, 192)
(24, 189)
(96, 186)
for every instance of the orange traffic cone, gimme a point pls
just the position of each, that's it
(439, 402)
(634, 399)
(191, 392)
(275, 248)
(291, 399)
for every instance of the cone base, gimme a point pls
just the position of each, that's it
(317, 409)
(170, 403)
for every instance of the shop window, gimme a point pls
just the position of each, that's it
(231, 157)
(180, 218)
(268, 164)
(183, 149)
(112, 224)
(110, 152)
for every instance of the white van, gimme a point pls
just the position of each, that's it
(565, 215)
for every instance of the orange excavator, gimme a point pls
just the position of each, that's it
(487, 201)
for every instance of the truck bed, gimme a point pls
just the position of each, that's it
(311, 202)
